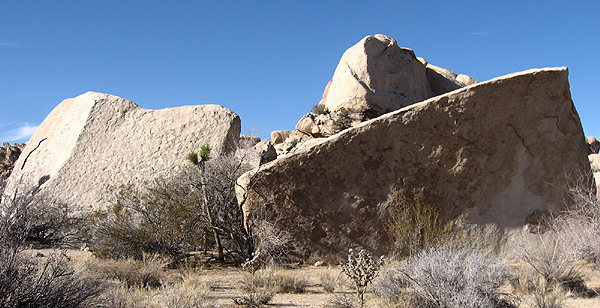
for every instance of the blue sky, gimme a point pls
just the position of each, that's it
(269, 61)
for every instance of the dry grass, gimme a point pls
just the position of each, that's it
(147, 273)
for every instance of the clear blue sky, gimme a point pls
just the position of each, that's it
(269, 61)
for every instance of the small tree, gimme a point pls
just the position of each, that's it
(361, 269)
(217, 180)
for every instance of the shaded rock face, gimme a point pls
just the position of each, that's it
(95, 140)
(472, 150)
(9, 154)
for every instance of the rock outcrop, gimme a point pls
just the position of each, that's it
(473, 150)
(593, 145)
(373, 77)
(9, 154)
(95, 140)
(376, 76)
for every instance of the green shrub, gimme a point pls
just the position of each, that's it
(319, 109)
(163, 219)
(343, 119)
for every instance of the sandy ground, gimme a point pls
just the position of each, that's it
(225, 284)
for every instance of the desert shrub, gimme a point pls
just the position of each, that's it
(342, 120)
(361, 269)
(390, 284)
(290, 283)
(341, 301)
(189, 293)
(256, 291)
(273, 243)
(550, 271)
(330, 281)
(578, 226)
(50, 222)
(447, 276)
(162, 219)
(147, 273)
(414, 226)
(37, 283)
(319, 109)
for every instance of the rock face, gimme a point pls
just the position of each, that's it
(95, 140)
(376, 76)
(473, 150)
(9, 154)
(593, 145)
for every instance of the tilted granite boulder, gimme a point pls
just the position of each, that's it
(473, 150)
(95, 140)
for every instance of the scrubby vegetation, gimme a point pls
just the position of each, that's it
(319, 109)
(28, 282)
(361, 269)
(147, 236)
(342, 120)
(164, 219)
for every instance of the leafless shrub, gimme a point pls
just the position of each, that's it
(45, 283)
(446, 276)
(273, 243)
(578, 227)
(50, 222)
(361, 269)
(342, 301)
(390, 284)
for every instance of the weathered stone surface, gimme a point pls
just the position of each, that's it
(594, 160)
(376, 76)
(9, 154)
(307, 125)
(279, 136)
(473, 150)
(466, 80)
(593, 145)
(266, 151)
(441, 80)
(95, 140)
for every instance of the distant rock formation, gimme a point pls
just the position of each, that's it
(95, 140)
(373, 77)
(8, 156)
(474, 150)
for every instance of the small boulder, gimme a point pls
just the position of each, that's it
(278, 136)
